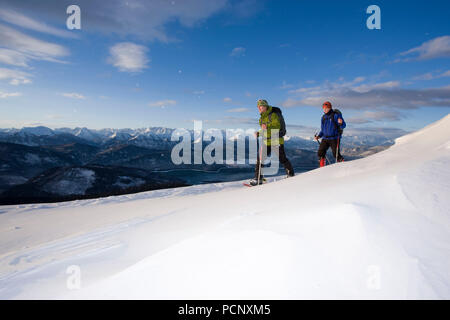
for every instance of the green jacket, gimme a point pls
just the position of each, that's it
(274, 123)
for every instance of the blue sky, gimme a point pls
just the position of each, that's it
(165, 63)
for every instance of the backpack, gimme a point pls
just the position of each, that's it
(277, 110)
(339, 113)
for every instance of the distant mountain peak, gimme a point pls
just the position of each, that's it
(37, 131)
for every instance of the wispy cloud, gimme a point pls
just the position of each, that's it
(341, 83)
(236, 110)
(128, 57)
(238, 120)
(14, 58)
(238, 52)
(227, 99)
(73, 95)
(230, 121)
(431, 75)
(18, 19)
(377, 115)
(375, 86)
(245, 8)
(15, 77)
(435, 48)
(28, 48)
(4, 95)
(286, 85)
(53, 116)
(162, 103)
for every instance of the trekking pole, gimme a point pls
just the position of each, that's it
(337, 149)
(260, 161)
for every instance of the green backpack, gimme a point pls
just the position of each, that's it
(277, 110)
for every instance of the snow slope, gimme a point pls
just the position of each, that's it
(377, 227)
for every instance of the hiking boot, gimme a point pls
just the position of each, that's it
(254, 182)
(322, 162)
(289, 173)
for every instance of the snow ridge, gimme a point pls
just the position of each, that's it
(377, 228)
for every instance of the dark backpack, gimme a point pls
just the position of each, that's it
(339, 113)
(277, 110)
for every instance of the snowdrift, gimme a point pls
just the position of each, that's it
(377, 228)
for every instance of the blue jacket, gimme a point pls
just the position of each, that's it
(329, 129)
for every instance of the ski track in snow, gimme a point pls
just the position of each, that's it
(377, 227)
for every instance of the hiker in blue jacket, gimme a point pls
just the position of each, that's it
(331, 131)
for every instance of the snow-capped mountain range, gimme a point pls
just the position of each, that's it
(36, 136)
(155, 137)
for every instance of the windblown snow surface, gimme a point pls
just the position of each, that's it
(377, 228)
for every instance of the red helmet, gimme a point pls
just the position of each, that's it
(327, 103)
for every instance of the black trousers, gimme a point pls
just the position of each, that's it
(325, 144)
(283, 160)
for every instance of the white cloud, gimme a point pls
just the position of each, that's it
(128, 57)
(328, 86)
(4, 95)
(18, 49)
(308, 89)
(227, 99)
(377, 115)
(73, 95)
(231, 120)
(162, 103)
(425, 76)
(10, 123)
(435, 48)
(383, 85)
(14, 58)
(235, 110)
(27, 48)
(431, 76)
(238, 52)
(16, 82)
(15, 77)
(54, 116)
(198, 92)
(286, 85)
(18, 19)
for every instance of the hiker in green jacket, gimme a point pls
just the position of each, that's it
(271, 119)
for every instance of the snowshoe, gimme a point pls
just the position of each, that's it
(254, 182)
